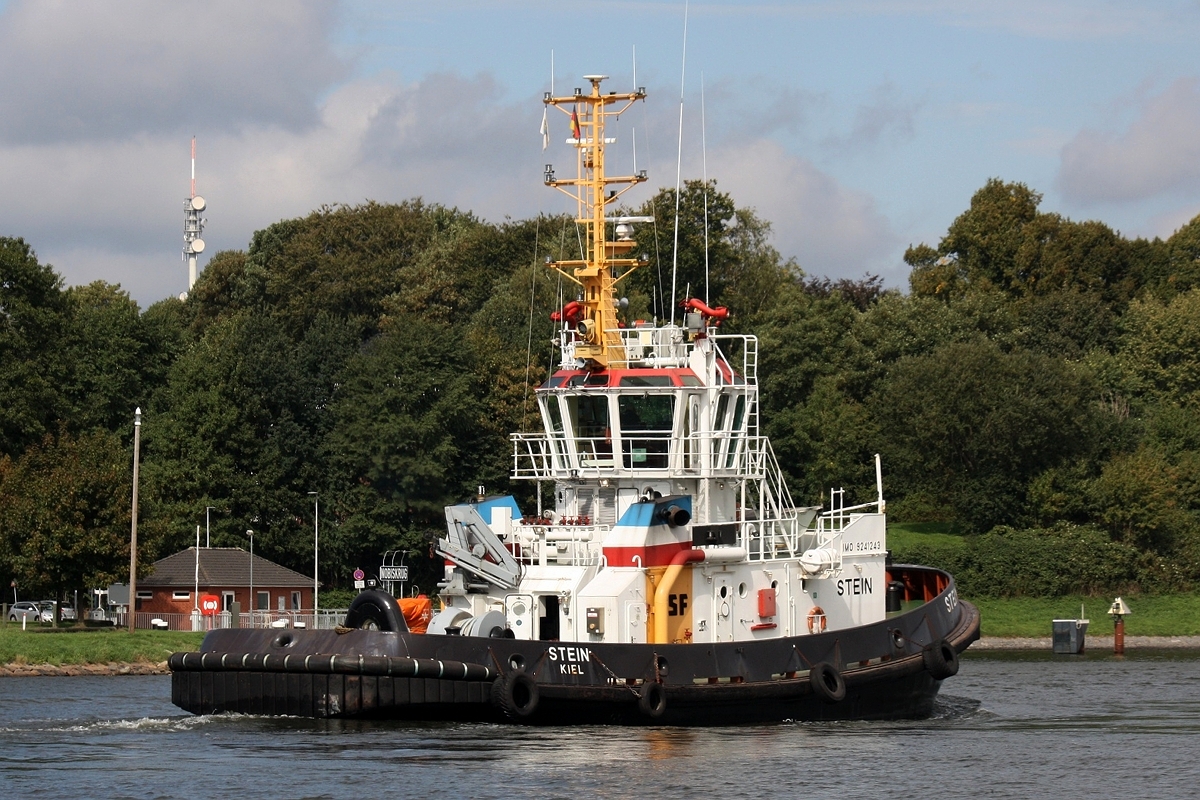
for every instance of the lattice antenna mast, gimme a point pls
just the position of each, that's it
(596, 273)
(193, 225)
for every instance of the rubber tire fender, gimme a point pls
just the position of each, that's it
(653, 700)
(516, 695)
(827, 682)
(379, 608)
(941, 659)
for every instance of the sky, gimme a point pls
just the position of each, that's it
(855, 128)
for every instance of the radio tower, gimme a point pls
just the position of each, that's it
(193, 225)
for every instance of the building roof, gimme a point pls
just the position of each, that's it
(220, 566)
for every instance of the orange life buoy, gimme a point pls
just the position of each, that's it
(816, 620)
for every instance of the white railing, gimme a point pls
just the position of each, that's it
(538, 456)
(325, 619)
(565, 544)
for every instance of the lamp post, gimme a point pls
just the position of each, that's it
(207, 530)
(137, 446)
(316, 549)
(196, 588)
(250, 533)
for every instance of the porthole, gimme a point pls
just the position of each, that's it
(741, 590)
(724, 591)
(516, 661)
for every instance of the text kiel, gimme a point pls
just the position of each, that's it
(570, 660)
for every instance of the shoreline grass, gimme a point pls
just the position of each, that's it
(70, 646)
(1153, 615)
(1166, 615)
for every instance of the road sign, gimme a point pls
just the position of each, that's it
(210, 604)
(359, 575)
(393, 573)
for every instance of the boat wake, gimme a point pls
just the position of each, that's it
(144, 724)
(950, 707)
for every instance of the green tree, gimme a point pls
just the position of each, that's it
(968, 426)
(65, 514)
(105, 351)
(1003, 243)
(411, 436)
(1137, 497)
(1156, 356)
(33, 315)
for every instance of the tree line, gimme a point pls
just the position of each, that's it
(1034, 389)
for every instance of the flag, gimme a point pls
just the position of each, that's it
(575, 125)
(545, 131)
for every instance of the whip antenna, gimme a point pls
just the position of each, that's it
(704, 163)
(679, 164)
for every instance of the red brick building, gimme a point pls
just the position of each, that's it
(225, 573)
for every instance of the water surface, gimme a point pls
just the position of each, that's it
(1008, 726)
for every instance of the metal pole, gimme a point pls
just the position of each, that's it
(1119, 636)
(316, 550)
(207, 528)
(137, 446)
(251, 535)
(196, 593)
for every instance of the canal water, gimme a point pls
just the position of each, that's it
(1010, 725)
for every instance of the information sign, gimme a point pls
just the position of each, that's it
(393, 573)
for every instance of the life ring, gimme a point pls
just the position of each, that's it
(516, 695)
(376, 610)
(653, 700)
(827, 682)
(816, 620)
(941, 660)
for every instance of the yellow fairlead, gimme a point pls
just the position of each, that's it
(596, 274)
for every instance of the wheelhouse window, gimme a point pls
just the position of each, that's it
(738, 437)
(646, 424)
(589, 417)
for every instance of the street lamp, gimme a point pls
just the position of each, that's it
(137, 445)
(250, 533)
(207, 532)
(316, 549)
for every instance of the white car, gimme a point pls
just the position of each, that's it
(27, 610)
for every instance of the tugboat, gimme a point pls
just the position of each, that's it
(672, 582)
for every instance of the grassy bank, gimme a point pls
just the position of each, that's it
(1153, 615)
(1175, 615)
(90, 646)
(1171, 615)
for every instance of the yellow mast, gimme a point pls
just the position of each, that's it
(595, 274)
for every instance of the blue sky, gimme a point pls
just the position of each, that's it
(855, 128)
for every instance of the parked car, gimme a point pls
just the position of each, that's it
(50, 606)
(28, 610)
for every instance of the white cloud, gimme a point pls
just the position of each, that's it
(1158, 153)
(99, 101)
(1047, 19)
(831, 230)
(77, 71)
(887, 115)
(117, 204)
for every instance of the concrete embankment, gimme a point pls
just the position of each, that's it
(1092, 642)
(31, 670)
